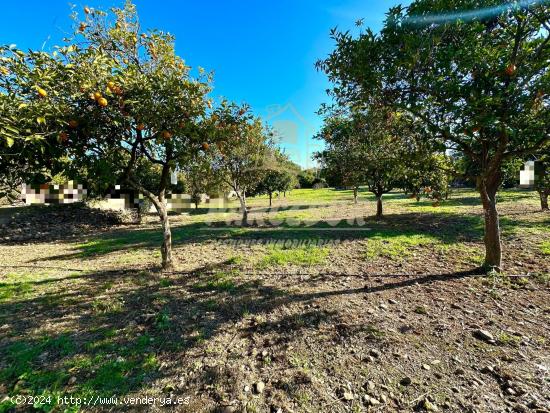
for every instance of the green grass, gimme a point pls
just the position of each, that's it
(10, 292)
(22, 358)
(106, 365)
(235, 260)
(219, 281)
(296, 216)
(322, 195)
(395, 245)
(137, 243)
(302, 256)
(427, 207)
(473, 254)
(545, 247)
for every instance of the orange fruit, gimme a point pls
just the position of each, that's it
(102, 102)
(73, 124)
(87, 10)
(63, 137)
(111, 85)
(41, 92)
(97, 96)
(166, 134)
(205, 146)
(140, 126)
(82, 27)
(511, 69)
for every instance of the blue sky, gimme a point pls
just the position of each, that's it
(261, 52)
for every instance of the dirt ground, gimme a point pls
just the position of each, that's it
(310, 316)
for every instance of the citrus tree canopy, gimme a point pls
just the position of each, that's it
(477, 81)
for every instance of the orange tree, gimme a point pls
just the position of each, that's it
(119, 103)
(135, 104)
(242, 149)
(343, 159)
(478, 80)
(369, 147)
(200, 178)
(279, 176)
(29, 118)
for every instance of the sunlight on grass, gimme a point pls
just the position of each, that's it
(472, 254)
(427, 207)
(303, 256)
(396, 246)
(545, 247)
(290, 216)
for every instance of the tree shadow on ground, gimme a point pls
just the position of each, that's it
(116, 332)
(448, 228)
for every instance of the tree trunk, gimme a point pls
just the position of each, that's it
(166, 248)
(544, 200)
(378, 206)
(242, 199)
(493, 247)
(355, 195)
(284, 194)
(417, 197)
(138, 214)
(270, 196)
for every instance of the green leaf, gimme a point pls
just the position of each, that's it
(41, 120)
(12, 129)
(10, 141)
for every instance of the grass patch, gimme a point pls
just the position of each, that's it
(472, 254)
(508, 339)
(292, 217)
(545, 247)
(396, 245)
(22, 358)
(235, 260)
(10, 292)
(219, 281)
(303, 256)
(165, 283)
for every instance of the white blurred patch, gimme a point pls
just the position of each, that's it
(527, 175)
